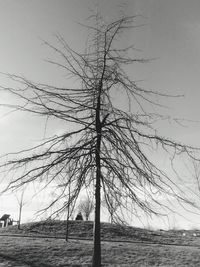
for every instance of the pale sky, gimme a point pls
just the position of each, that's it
(171, 36)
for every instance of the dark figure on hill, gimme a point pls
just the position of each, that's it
(79, 217)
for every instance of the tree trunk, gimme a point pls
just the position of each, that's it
(20, 209)
(96, 261)
(111, 218)
(20, 215)
(67, 230)
(97, 228)
(68, 214)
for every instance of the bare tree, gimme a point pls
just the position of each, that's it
(67, 205)
(86, 207)
(21, 203)
(112, 204)
(106, 147)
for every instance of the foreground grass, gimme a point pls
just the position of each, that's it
(56, 252)
(157, 249)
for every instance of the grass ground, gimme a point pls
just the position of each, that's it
(151, 248)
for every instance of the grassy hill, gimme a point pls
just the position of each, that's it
(121, 246)
(109, 232)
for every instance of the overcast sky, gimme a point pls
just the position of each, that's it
(171, 36)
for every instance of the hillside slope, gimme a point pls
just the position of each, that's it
(109, 232)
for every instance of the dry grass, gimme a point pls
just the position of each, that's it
(57, 252)
(84, 229)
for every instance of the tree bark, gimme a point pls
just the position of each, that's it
(97, 233)
(96, 262)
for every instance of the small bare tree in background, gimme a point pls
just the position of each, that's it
(62, 196)
(112, 204)
(106, 146)
(21, 203)
(86, 206)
